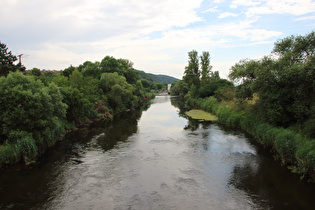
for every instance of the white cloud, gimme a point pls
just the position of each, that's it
(227, 14)
(293, 7)
(237, 3)
(213, 9)
(80, 18)
(306, 18)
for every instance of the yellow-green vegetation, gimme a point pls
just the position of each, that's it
(201, 115)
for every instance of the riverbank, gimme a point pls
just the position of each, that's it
(292, 149)
(11, 154)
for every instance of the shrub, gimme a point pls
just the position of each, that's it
(31, 115)
(286, 145)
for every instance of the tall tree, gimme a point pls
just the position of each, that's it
(192, 72)
(205, 67)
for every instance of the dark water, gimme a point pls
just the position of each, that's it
(155, 160)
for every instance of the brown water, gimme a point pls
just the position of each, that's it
(155, 160)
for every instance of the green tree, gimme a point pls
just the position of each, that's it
(84, 65)
(35, 72)
(61, 81)
(210, 88)
(215, 75)
(91, 70)
(192, 73)
(145, 83)
(80, 109)
(39, 110)
(119, 92)
(179, 88)
(205, 67)
(285, 85)
(7, 61)
(110, 65)
(76, 79)
(296, 49)
(68, 71)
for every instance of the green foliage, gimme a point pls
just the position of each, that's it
(225, 93)
(194, 86)
(25, 145)
(145, 83)
(285, 86)
(7, 61)
(205, 67)
(179, 88)
(120, 93)
(60, 80)
(68, 71)
(79, 107)
(76, 79)
(212, 86)
(35, 72)
(296, 49)
(89, 69)
(215, 75)
(108, 80)
(193, 92)
(36, 109)
(110, 65)
(286, 145)
(31, 114)
(192, 72)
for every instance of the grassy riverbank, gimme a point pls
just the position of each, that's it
(294, 150)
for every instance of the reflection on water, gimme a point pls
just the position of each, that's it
(159, 159)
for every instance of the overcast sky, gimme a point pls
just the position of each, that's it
(155, 35)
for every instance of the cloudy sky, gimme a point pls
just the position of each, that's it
(155, 35)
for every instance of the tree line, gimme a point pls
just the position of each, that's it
(36, 107)
(199, 81)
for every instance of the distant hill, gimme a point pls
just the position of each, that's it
(160, 78)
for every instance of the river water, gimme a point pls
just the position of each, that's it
(157, 159)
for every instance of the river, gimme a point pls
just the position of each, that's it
(157, 159)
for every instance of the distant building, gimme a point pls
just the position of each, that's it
(52, 71)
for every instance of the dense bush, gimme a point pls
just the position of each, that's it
(31, 114)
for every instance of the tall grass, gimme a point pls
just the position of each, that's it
(25, 149)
